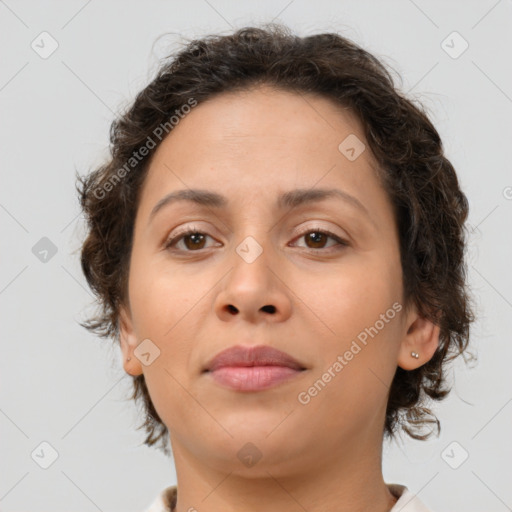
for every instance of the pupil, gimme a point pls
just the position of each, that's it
(316, 237)
(195, 238)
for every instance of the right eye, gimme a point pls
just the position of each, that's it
(191, 237)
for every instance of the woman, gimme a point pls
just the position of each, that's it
(277, 244)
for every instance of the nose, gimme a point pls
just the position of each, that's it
(254, 291)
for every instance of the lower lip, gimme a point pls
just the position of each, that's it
(253, 378)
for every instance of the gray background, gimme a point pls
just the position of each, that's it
(62, 386)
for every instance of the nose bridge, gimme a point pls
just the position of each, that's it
(254, 235)
(253, 252)
(253, 230)
(253, 287)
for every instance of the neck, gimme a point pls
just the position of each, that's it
(350, 482)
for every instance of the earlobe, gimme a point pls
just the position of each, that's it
(128, 342)
(419, 343)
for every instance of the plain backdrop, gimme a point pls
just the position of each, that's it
(63, 387)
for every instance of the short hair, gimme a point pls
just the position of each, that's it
(429, 207)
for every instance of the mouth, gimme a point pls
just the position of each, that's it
(254, 368)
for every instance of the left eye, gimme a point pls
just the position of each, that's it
(319, 236)
(194, 239)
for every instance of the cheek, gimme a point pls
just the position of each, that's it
(360, 305)
(160, 303)
(353, 296)
(166, 303)
(159, 298)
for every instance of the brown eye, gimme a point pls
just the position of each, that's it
(317, 239)
(196, 241)
(192, 239)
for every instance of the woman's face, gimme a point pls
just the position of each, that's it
(260, 272)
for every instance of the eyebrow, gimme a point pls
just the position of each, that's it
(290, 199)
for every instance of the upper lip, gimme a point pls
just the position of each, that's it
(259, 355)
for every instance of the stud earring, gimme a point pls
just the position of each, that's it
(415, 355)
(128, 359)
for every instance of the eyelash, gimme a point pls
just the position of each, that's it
(193, 230)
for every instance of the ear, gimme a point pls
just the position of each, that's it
(128, 341)
(422, 337)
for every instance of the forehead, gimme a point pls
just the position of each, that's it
(275, 116)
(258, 142)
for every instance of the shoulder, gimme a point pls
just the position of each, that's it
(165, 501)
(407, 501)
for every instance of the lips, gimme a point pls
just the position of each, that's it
(260, 355)
(253, 368)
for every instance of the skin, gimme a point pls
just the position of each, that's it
(323, 456)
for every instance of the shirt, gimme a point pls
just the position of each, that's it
(407, 501)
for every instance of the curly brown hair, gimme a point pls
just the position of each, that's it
(430, 209)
